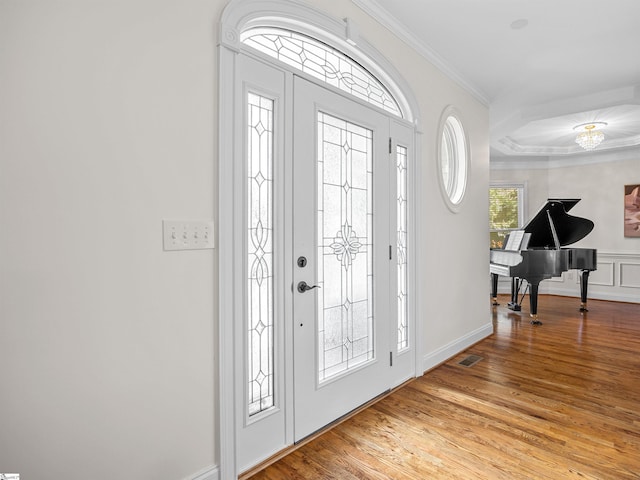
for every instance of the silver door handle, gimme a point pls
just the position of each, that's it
(303, 287)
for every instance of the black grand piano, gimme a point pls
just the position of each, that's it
(535, 253)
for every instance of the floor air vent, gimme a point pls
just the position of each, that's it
(470, 361)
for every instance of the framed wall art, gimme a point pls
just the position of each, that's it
(632, 211)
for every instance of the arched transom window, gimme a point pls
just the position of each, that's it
(322, 62)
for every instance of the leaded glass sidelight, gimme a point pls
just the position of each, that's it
(345, 246)
(323, 62)
(260, 313)
(401, 208)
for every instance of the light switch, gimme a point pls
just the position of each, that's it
(188, 234)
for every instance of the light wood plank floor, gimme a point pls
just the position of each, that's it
(556, 401)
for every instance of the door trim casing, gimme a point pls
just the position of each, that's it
(237, 16)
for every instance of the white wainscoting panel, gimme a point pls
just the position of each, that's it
(604, 275)
(629, 275)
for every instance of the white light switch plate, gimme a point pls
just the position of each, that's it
(187, 234)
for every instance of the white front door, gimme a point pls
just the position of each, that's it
(322, 188)
(341, 224)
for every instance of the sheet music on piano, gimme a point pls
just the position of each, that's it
(517, 240)
(509, 254)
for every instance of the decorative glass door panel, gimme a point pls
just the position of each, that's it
(345, 245)
(401, 246)
(260, 253)
(259, 319)
(341, 215)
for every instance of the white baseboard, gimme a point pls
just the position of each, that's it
(209, 473)
(610, 295)
(444, 353)
(615, 297)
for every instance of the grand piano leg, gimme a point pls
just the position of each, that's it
(584, 282)
(533, 302)
(515, 288)
(494, 288)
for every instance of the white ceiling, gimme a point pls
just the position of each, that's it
(562, 63)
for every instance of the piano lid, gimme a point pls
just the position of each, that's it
(569, 229)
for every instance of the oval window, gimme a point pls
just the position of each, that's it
(453, 156)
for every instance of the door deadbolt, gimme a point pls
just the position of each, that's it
(302, 262)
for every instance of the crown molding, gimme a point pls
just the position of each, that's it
(509, 147)
(386, 18)
(541, 162)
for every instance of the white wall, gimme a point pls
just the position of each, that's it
(107, 126)
(107, 113)
(598, 179)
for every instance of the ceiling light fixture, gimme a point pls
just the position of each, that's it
(590, 138)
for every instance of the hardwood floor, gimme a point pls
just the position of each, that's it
(561, 400)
